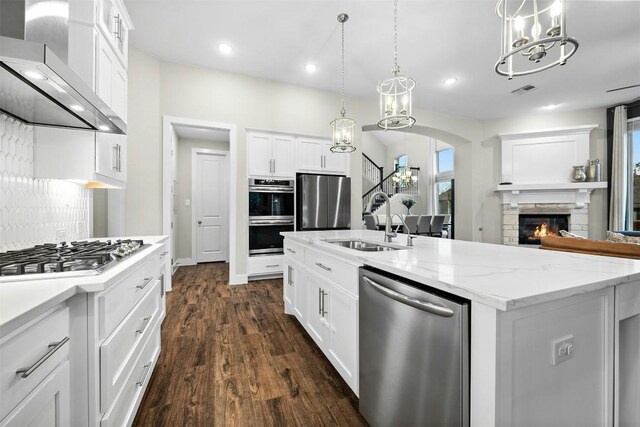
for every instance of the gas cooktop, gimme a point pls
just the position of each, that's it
(75, 258)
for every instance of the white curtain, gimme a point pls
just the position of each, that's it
(619, 171)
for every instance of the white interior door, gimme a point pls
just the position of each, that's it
(210, 199)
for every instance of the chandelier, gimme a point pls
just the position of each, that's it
(395, 92)
(344, 128)
(525, 49)
(404, 177)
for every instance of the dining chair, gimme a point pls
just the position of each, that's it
(436, 225)
(370, 222)
(424, 224)
(412, 224)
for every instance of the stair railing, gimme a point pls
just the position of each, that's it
(371, 170)
(390, 187)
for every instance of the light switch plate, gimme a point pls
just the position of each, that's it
(562, 349)
(187, 202)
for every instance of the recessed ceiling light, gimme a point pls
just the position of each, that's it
(225, 48)
(34, 75)
(76, 107)
(103, 127)
(450, 81)
(311, 68)
(551, 107)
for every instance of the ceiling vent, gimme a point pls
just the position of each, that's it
(523, 89)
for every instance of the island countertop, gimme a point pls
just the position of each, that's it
(500, 276)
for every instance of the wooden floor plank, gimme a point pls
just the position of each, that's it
(231, 357)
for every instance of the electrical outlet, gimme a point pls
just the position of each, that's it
(562, 349)
(187, 202)
(61, 234)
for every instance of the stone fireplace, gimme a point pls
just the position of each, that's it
(536, 183)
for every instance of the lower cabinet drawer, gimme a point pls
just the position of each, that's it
(294, 250)
(119, 299)
(35, 352)
(265, 264)
(339, 272)
(119, 351)
(126, 403)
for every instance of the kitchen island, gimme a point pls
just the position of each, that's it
(554, 336)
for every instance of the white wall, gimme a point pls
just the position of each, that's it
(183, 223)
(158, 88)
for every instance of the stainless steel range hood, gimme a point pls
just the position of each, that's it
(36, 85)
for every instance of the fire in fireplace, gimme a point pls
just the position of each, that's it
(532, 227)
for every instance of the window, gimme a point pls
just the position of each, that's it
(401, 161)
(444, 179)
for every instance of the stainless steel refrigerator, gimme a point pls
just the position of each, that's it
(323, 202)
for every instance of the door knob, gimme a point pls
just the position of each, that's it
(199, 222)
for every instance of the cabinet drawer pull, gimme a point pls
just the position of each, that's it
(273, 265)
(53, 347)
(319, 301)
(164, 253)
(291, 250)
(147, 280)
(144, 374)
(145, 323)
(322, 266)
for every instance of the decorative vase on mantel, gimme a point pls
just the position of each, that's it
(578, 174)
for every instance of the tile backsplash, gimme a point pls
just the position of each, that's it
(35, 211)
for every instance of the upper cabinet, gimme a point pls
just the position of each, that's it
(281, 156)
(271, 155)
(98, 36)
(315, 156)
(114, 22)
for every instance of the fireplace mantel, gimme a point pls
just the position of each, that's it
(561, 192)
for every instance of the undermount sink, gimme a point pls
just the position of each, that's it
(360, 245)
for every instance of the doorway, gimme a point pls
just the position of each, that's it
(175, 203)
(210, 219)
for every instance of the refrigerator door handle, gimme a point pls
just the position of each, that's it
(413, 302)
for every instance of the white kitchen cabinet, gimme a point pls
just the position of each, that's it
(314, 155)
(321, 291)
(317, 307)
(92, 158)
(29, 358)
(115, 24)
(48, 405)
(271, 155)
(342, 314)
(117, 342)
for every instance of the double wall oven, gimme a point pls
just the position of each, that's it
(271, 207)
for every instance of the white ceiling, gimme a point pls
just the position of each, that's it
(437, 39)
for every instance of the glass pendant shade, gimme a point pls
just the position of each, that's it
(396, 92)
(534, 37)
(344, 131)
(395, 102)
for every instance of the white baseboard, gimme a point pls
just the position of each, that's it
(238, 279)
(185, 261)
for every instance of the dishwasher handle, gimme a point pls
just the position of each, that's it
(415, 303)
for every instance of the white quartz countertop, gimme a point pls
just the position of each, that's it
(503, 277)
(25, 298)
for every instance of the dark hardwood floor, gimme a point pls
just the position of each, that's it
(230, 356)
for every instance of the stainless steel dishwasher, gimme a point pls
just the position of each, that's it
(414, 353)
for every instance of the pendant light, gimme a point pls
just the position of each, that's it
(525, 48)
(344, 128)
(395, 92)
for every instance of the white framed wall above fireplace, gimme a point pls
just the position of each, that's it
(536, 169)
